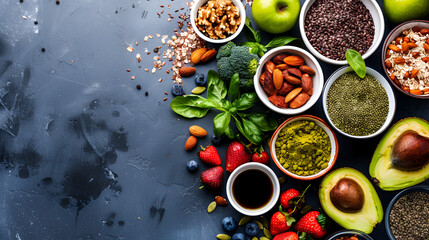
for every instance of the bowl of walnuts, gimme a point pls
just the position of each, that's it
(218, 21)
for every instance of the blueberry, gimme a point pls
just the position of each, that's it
(216, 140)
(229, 224)
(252, 229)
(177, 90)
(200, 80)
(192, 166)
(238, 236)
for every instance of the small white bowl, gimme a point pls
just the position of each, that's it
(384, 83)
(194, 14)
(377, 16)
(274, 180)
(310, 61)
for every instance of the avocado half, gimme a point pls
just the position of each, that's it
(383, 170)
(364, 218)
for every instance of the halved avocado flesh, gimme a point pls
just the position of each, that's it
(371, 213)
(381, 169)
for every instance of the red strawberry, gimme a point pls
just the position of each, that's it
(287, 196)
(213, 177)
(280, 222)
(312, 223)
(210, 156)
(261, 157)
(287, 236)
(236, 155)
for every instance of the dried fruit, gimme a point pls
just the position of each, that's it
(269, 67)
(268, 84)
(293, 61)
(307, 84)
(221, 201)
(293, 80)
(197, 131)
(190, 143)
(292, 94)
(295, 71)
(211, 207)
(299, 100)
(186, 71)
(307, 69)
(277, 78)
(209, 55)
(197, 54)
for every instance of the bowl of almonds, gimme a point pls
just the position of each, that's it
(406, 58)
(289, 80)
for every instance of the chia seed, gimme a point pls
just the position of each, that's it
(333, 26)
(409, 219)
(357, 106)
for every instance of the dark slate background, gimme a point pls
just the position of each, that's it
(84, 155)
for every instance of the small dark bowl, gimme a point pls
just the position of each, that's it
(349, 233)
(420, 188)
(397, 31)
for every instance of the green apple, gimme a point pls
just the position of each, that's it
(402, 10)
(276, 16)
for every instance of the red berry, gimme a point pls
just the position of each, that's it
(210, 156)
(309, 224)
(287, 196)
(213, 177)
(261, 157)
(286, 236)
(236, 155)
(278, 223)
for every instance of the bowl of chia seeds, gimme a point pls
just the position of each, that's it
(330, 27)
(358, 107)
(407, 214)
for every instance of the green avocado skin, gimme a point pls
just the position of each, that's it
(381, 170)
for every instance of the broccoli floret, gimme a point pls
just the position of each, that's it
(237, 59)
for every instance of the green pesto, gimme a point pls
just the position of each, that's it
(303, 148)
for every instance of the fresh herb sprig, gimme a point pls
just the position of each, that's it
(356, 61)
(251, 125)
(255, 40)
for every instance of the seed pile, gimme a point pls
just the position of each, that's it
(333, 26)
(357, 106)
(409, 217)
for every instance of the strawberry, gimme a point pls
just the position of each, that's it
(286, 199)
(236, 155)
(312, 223)
(280, 222)
(286, 236)
(213, 177)
(261, 157)
(210, 156)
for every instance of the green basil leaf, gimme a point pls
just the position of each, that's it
(216, 90)
(234, 88)
(280, 41)
(254, 50)
(256, 34)
(220, 123)
(263, 121)
(191, 106)
(246, 101)
(251, 132)
(229, 133)
(254, 47)
(356, 62)
(225, 104)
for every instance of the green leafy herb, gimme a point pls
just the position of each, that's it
(356, 62)
(256, 34)
(280, 41)
(191, 106)
(234, 88)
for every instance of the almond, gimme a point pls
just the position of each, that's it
(286, 88)
(190, 143)
(426, 47)
(394, 48)
(406, 75)
(392, 76)
(399, 60)
(416, 29)
(282, 67)
(415, 54)
(406, 39)
(426, 90)
(295, 71)
(424, 31)
(197, 54)
(299, 100)
(197, 131)
(416, 92)
(307, 84)
(427, 41)
(388, 63)
(261, 78)
(292, 94)
(405, 88)
(186, 71)
(307, 69)
(209, 55)
(404, 47)
(425, 59)
(277, 78)
(414, 73)
(398, 40)
(269, 67)
(221, 201)
(279, 58)
(278, 101)
(294, 61)
(293, 80)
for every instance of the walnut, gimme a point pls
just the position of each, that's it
(218, 19)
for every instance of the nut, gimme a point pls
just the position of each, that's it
(411, 45)
(209, 55)
(283, 66)
(414, 73)
(307, 69)
(388, 64)
(295, 71)
(190, 143)
(293, 61)
(269, 67)
(399, 60)
(186, 71)
(197, 54)
(394, 48)
(292, 94)
(307, 84)
(426, 47)
(278, 101)
(425, 59)
(424, 31)
(286, 88)
(221, 201)
(293, 80)
(404, 47)
(279, 58)
(197, 131)
(299, 100)
(277, 78)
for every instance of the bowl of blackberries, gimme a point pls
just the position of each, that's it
(330, 27)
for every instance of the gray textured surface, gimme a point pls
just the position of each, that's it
(84, 155)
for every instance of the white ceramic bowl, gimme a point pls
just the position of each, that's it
(377, 16)
(319, 122)
(384, 83)
(194, 13)
(276, 189)
(310, 61)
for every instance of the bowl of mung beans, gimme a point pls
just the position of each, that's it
(329, 27)
(407, 214)
(304, 147)
(358, 107)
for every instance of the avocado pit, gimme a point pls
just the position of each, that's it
(347, 195)
(410, 151)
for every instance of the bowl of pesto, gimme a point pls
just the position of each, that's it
(358, 107)
(304, 147)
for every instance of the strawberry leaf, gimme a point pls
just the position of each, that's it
(321, 219)
(290, 220)
(305, 236)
